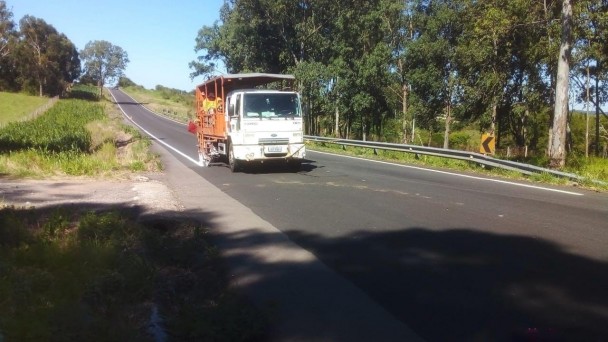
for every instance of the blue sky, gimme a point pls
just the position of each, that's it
(157, 35)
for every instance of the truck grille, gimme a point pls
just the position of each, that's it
(273, 141)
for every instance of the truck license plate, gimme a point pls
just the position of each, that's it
(274, 149)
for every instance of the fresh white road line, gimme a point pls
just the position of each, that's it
(152, 135)
(456, 174)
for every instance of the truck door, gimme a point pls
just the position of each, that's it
(237, 112)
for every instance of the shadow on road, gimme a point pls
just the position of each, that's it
(457, 284)
(465, 285)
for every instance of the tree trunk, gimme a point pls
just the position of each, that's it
(337, 127)
(493, 124)
(587, 115)
(404, 109)
(446, 134)
(557, 149)
(597, 110)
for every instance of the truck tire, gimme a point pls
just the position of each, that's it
(233, 162)
(203, 160)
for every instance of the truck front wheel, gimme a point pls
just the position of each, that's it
(232, 161)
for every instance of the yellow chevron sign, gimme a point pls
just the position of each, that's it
(488, 144)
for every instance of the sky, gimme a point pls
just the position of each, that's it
(158, 36)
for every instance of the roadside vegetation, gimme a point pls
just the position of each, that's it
(75, 137)
(105, 275)
(102, 276)
(173, 103)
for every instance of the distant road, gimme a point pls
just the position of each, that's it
(454, 256)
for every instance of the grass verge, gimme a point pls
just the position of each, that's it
(15, 107)
(102, 276)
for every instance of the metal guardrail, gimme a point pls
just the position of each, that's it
(446, 153)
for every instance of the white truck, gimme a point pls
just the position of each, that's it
(241, 120)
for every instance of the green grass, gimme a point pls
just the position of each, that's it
(98, 276)
(15, 107)
(176, 106)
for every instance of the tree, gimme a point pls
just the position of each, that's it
(592, 55)
(124, 81)
(7, 29)
(45, 59)
(557, 144)
(506, 63)
(432, 63)
(104, 62)
(8, 38)
(401, 32)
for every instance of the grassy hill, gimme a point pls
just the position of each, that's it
(14, 107)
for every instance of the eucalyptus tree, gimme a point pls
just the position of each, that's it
(591, 54)
(252, 35)
(557, 143)
(104, 62)
(8, 37)
(432, 61)
(400, 32)
(506, 66)
(362, 57)
(45, 59)
(7, 29)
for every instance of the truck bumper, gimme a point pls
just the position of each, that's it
(269, 152)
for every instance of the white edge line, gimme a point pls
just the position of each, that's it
(198, 163)
(457, 174)
(151, 111)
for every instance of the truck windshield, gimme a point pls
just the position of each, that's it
(271, 106)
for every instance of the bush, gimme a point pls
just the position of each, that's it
(460, 141)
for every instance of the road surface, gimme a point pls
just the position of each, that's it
(453, 256)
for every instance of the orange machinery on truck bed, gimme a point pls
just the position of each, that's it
(242, 122)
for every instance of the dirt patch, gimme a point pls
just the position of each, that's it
(148, 193)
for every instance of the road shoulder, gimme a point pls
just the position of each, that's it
(308, 300)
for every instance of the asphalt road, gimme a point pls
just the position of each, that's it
(453, 256)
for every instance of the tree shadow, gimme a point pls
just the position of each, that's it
(456, 284)
(462, 284)
(83, 95)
